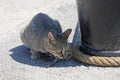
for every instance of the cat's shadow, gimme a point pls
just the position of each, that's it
(22, 54)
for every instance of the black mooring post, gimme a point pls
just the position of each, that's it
(99, 22)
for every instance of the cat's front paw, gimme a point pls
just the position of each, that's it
(35, 56)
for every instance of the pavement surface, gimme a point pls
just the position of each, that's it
(15, 62)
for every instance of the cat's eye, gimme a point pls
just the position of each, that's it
(60, 51)
(54, 42)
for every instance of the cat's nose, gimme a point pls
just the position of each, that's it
(63, 56)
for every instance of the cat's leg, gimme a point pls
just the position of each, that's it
(35, 55)
(54, 62)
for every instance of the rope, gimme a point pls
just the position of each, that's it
(95, 60)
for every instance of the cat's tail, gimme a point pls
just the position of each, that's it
(95, 60)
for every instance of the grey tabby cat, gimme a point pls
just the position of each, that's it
(44, 35)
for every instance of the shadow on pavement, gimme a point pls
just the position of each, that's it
(21, 54)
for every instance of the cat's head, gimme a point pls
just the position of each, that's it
(59, 43)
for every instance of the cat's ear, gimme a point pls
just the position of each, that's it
(67, 33)
(50, 36)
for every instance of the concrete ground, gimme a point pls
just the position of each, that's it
(15, 62)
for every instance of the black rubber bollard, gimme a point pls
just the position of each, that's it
(99, 22)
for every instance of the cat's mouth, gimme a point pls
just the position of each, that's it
(63, 55)
(59, 55)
